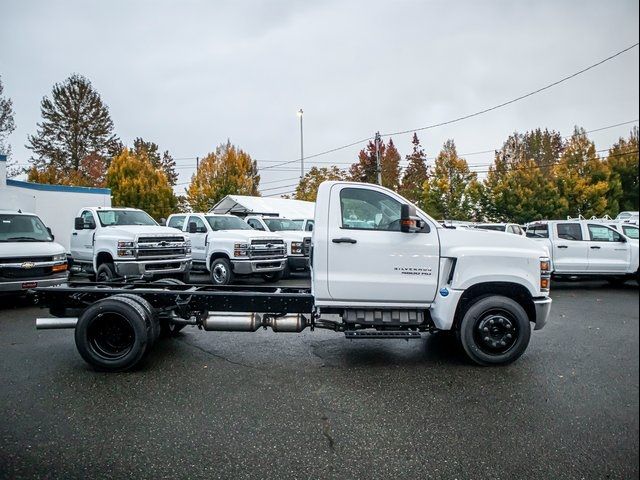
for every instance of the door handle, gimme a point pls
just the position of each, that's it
(75, 234)
(595, 247)
(563, 246)
(344, 240)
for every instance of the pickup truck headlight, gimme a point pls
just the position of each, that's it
(296, 248)
(126, 248)
(240, 249)
(60, 258)
(545, 274)
(187, 247)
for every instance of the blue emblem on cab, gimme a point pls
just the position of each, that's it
(444, 292)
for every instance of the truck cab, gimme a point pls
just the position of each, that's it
(226, 247)
(587, 248)
(296, 234)
(29, 256)
(126, 242)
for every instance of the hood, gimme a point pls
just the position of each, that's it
(488, 240)
(294, 235)
(26, 249)
(131, 231)
(248, 234)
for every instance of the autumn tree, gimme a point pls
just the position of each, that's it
(134, 182)
(582, 178)
(75, 125)
(164, 161)
(449, 192)
(307, 189)
(366, 168)
(622, 162)
(7, 126)
(415, 175)
(227, 171)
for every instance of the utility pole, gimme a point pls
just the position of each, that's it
(300, 112)
(378, 167)
(197, 164)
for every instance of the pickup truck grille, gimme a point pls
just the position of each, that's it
(161, 247)
(306, 246)
(25, 259)
(266, 249)
(21, 274)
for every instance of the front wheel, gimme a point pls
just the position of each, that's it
(495, 331)
(106, 273)
(221, 273)
(273, 277)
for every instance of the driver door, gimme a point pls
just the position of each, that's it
(369, 259)
(81, 244)
(198, 240)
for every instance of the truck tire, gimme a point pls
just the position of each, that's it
(168, 329)
(221, 272)
(106, 273)
(286, 273)
(494, 331)
(112, 334)
(154, 324)
(273, 277)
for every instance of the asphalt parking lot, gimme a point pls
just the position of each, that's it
(314, 405)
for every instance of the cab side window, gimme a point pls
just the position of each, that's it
(200, 226)
(364, 209)
(89, 221)
(177, 222)
(631, 232)
(600, 233)
(569, 231)
(255, 224)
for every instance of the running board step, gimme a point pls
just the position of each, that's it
(360, 334)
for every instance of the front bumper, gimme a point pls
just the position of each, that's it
(543, 307)
(251, 267)
(25, 284)
(152, 268)
(298, 262)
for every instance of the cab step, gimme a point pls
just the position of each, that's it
(402, 334)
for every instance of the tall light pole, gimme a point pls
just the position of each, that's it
(300, 112)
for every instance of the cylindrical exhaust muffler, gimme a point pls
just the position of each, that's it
(293, 322)
(233, 322)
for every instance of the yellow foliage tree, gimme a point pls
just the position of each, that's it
(227, 171)
(134, 182)
(307, 189)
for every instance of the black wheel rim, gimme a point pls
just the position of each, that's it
(111, 336)
(496, 332)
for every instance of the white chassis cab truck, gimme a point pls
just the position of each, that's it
(226, 247)
(587, 249)
(126, 242)
(380, 269)
(297, 238)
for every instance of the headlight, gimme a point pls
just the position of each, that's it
(240, 249)
(60, 258)
(545, 274)
(126, 244)
(126, 248)
(296, 248)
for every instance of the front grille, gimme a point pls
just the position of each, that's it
(25, 259)
(170, 238)
(161, 252)
(25, 273)
(266, 249)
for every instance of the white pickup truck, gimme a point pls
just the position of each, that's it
(297, 236)
(29, 257)
(126, 242)
(381, 269)
(227, 247)
(587, 248)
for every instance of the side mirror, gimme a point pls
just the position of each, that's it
(78, 223)
(163, 222)
(409, 220)
(193, 228)
(53, 237)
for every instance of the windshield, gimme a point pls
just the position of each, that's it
(631, 232)
(282, 224)
(23, 228)
(227, 223)
(125, 217)
(497, 228)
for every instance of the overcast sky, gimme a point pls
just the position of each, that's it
(190, 74)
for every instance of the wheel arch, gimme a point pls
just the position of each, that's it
(102, 257)
(514, 291)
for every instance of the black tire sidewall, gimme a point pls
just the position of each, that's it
(134, 313)
(153, 324)
(273, 276)
(227, 265)
(476, 311)
(109, 270)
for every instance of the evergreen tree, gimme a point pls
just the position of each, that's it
(450, 191)
(622, 162)
(415, 175)
(7, 126)
(227, 171)
(75, 124)
(135, 182)
(307, 189)
(390, 166)
(164, 162)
